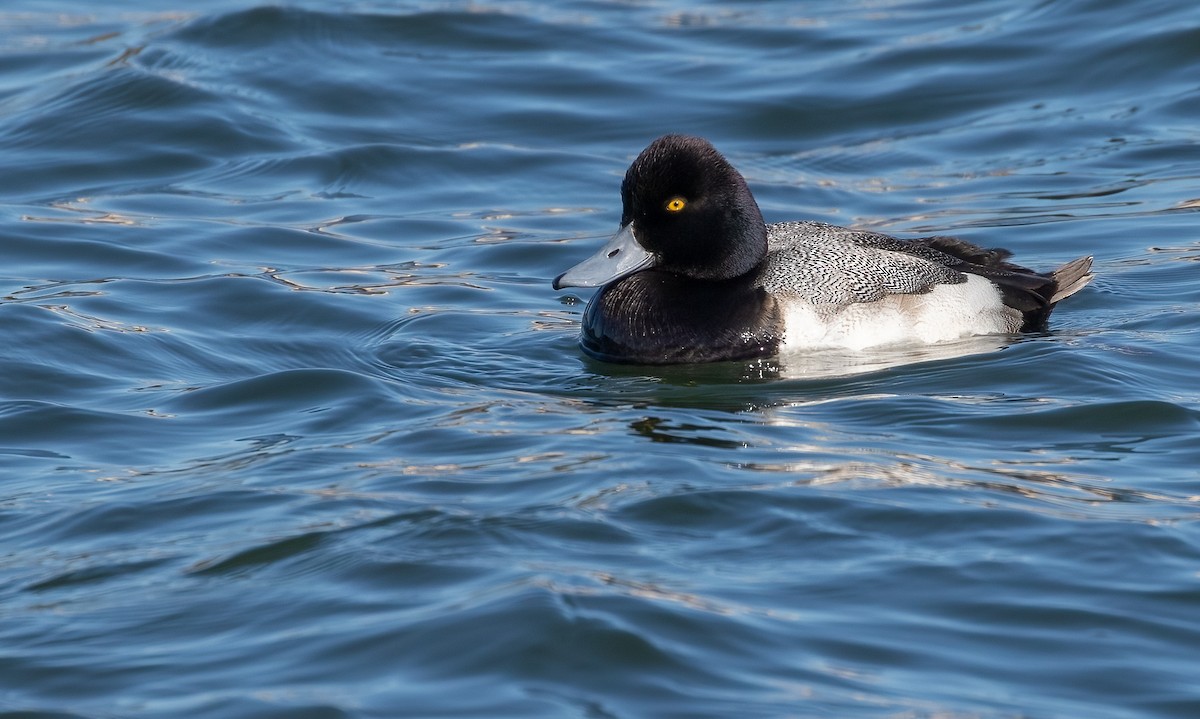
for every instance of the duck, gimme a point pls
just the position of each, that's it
(694, 275)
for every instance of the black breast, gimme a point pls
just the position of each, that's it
(658, 318)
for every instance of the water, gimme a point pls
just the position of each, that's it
(293, 425)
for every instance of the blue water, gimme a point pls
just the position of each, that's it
(293, 425)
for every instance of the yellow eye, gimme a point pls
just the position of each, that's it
(675, 204)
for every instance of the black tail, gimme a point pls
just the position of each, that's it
(1033, 293)
(1071, 278)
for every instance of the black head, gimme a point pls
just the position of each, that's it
(692, 210)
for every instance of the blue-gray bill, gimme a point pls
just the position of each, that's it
(620, 256)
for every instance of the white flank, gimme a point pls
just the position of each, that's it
(945, 313)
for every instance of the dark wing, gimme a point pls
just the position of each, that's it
(844, 265)
(1033, 293)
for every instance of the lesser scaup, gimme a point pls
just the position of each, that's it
(695, 275)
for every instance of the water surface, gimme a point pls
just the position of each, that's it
(293, 425)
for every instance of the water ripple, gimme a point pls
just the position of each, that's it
(293, 424)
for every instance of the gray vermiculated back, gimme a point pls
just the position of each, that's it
(826, 264)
